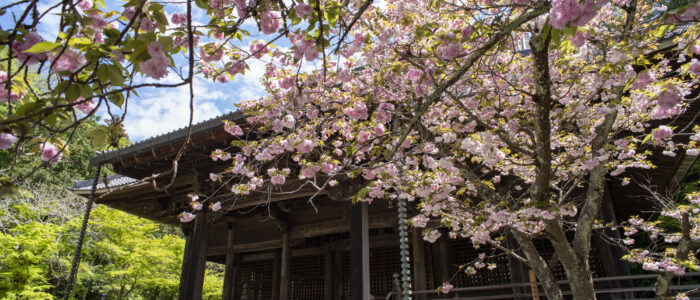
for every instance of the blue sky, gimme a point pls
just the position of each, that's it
(160, 110)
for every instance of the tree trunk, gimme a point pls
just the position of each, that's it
(539, 266)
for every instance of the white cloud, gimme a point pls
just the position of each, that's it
(163, 110)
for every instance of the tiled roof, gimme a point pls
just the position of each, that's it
(112, 181)
(165, 139)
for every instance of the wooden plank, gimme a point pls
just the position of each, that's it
(359, 252)
(419, 279)
(229, 283)
(194, 277)
(285, 270)
(533, 286)
(444, 259)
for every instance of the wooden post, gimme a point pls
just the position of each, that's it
(329, 281)
(276, 269)
(359, 252)
(533, 286)
(186, 258)
(444, 259)
(419, 277)
(285, 267)
(191, 286)
(230, 264)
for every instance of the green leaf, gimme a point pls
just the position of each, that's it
(99, 136)
(72, 92)
(85, 91)
(42, 47)
(660, 31)
(117, 99)
(115, 75)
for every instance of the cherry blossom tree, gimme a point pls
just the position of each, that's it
(440, 103)
(498, 119)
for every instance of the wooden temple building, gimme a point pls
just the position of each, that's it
(284, 247)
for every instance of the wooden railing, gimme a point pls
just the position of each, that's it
(508, 291)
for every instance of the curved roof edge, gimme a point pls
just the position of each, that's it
(167, 138)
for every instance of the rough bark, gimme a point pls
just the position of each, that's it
(539, 266)
(685, 245)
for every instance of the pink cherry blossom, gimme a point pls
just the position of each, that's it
(97, 20)
(357, 112)
(449, 51)
(50, 153)
(30, 39)
(219, 4)
(269, 22)
(129, 12)
(662, 134)
(213, 177)
(669, 99)
(277, 179)
(446, 288)
(216, 206)
(69, 60)
(304, 47)
(157, 66)
(302, 10)
(305, 146)
(7, 140)
(148, 25)
(419, 221)
(241, 8)
(186, 217)
(86, 106)
(287, 82)
(573, 12)
(578, 40)
(85, 4)
(694, 67)
(179, 19)
(258, 49)
(233, 129)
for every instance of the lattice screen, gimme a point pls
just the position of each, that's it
(258, 276)
(307, 277)
(344, 276)
(462, 252)
(383, 263)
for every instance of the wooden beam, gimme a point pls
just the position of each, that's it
(194, 277)
(285, 270)
(359, 252)
(229, 282)
(419, 277)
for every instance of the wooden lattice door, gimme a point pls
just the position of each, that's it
(258, 276)
(307, 277)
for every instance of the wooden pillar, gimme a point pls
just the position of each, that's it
(329, 281)
(229, 280)
(276, 269)
(359, 252)
(338, 268)
(192, 278)
(285, 267)
(186, 258)
(419, 277)
(444, 259)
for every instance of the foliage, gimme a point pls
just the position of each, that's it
(124, 256)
